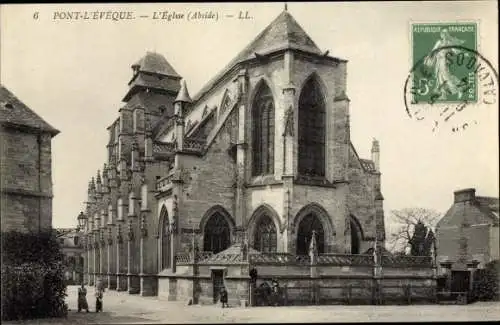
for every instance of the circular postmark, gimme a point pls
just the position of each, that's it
(451, 87)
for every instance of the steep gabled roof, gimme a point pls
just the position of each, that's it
(155, 63)
(482, 210)
(15, 112)
(282, 33)
(489, 206)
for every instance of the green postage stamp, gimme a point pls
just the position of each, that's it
(443, 70)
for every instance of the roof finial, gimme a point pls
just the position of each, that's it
(286, 6)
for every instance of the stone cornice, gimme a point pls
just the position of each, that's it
(22, 192)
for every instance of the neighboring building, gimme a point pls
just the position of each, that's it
(262, 155)
(474, 218)
(70, 240)
(25, 166)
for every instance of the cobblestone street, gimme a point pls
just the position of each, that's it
(123, 308)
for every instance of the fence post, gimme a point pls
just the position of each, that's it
(407, 292)
(286, 293)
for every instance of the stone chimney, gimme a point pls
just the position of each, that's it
(376, 154)
(468, 194)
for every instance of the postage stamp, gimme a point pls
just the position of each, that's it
(449, 79)
(440, 81)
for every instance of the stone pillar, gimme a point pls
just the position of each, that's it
(377, 274)
(103, 259)
(196, 272)
(174, 238)
(133, 283)
(121, 259)
(241, 150)
(289, 157)
(111, 261)
(97, 258)
(92, 261)
(147, 279)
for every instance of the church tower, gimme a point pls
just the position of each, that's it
(150, 99)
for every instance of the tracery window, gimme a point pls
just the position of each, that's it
(263, 132)
(309, 224)
(311, 130)
(355, 238)
(265, 235)
(216, 237)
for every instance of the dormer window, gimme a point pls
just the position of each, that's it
(8, 106)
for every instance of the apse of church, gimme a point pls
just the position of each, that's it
(261, 155)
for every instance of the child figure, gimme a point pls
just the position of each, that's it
(99, 293)
(223, 296)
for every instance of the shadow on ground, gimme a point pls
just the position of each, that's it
(85, 318)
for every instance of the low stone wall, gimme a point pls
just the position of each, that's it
(329, 279)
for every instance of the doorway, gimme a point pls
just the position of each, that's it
(217, 283)
(460, 281)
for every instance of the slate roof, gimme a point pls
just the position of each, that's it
(13, 111)
(230, 255)
(282, 33)
(482, 210)
(183, 95)
(155, 63)
(489, 206)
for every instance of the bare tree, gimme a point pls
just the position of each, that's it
(403, 224)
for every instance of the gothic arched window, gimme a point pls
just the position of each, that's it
(355, 236)
(216, 235)
(165, 242)
(265, 239)
(263, 132)
(309, 223)
(311, 130)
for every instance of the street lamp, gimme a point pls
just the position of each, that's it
(82, 220)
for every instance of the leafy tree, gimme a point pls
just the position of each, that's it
(411, 230)
(32, 276)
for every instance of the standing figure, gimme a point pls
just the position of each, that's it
(275, 293)
(99, 293)
(82, 299)
(223, 296)
(446, 81)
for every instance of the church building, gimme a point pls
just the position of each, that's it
(258, 167)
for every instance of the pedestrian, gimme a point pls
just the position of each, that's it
(82, 299)
(99, 293)
(223, 296)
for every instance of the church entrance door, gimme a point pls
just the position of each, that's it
(217, 283)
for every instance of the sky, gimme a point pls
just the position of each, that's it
(74, 73)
